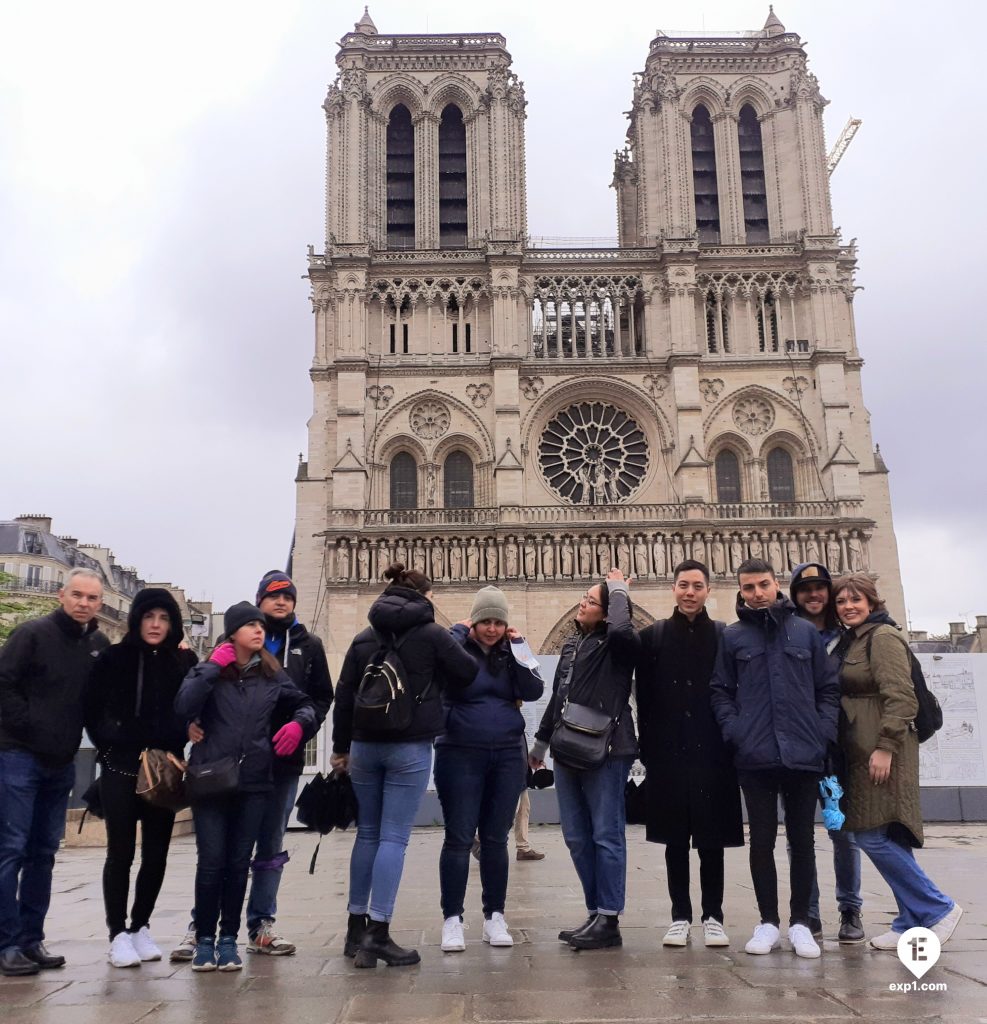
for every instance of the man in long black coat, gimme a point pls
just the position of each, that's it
(692, 790)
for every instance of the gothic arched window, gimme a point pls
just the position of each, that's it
(727, 477)
(704, 176)
(457, 481)
(404, 481)
(781, 477)
(400, 179)
(767, 323)
(452, 179)
(752, 176)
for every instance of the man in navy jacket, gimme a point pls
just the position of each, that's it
(775, 694)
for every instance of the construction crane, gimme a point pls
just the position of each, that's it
(846, 137)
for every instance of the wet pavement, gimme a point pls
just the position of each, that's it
(538, 980)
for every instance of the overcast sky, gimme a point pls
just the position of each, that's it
(162, 171)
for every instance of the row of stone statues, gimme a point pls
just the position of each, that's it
(546, 557)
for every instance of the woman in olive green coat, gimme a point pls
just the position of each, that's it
(877, 736)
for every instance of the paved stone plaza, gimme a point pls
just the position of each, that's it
(538, 980)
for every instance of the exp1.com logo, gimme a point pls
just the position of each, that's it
(918, 950)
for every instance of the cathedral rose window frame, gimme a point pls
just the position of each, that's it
(593, 453)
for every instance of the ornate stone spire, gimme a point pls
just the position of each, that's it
(365, 26)
(773, 26)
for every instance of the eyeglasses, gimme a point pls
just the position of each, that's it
(586, 599)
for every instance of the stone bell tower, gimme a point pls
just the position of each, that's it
(490, 411)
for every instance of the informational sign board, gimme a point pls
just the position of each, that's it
(956, 755)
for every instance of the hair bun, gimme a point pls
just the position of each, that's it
(394, 571)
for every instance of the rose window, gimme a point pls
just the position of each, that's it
(753, 415)
(429, 420)
(593, 454)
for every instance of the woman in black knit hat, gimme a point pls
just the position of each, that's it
(129, 708)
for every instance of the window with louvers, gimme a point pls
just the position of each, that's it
(400, 179)
(704, 176)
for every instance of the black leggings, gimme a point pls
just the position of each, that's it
(122, 810)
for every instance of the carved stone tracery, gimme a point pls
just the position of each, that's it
(429, 420)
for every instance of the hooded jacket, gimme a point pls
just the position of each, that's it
(775, 691)
(431, 657)
(235, 708)
(130, 696)
(602, 665)
(832, 630)
(44, 666)
(487, 712)
(304, 659)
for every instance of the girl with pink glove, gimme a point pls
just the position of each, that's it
(233, 697)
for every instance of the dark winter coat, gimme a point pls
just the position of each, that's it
(235, 709)
(118, 726)
(486, 713)
(691, 787)
(602, 665)
(431, 657)
(44, 666)
(879, 704)
(775, 691)
(304, 659)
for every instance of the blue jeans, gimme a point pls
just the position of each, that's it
(592, 815)
(389, 780)
(270, 857)
(225, 832)
(920, 903)
(478, 788)
(33, 801)
(846, 866)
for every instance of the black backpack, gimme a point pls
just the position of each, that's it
(384, 701)
(928, 718)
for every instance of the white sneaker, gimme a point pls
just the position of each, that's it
(677, 934)
(453, 940)
(945, 928)
(766, 937)
(122, 952)
(144, 945)
(713, 933)
(889, 941)
(495, 931)
(802, 942)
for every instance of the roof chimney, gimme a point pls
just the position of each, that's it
(41, 522)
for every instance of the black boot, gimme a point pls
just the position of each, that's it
(377, 944)
(567, 933)
(602, 932)
(38, 953)
(14, 964)
(851, 929)
(356, 925)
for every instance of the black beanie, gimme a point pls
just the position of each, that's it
(238, 615)
(275, 582)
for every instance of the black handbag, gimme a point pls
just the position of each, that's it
(583, 737)
(212, 779)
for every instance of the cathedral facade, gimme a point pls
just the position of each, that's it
(489, 411)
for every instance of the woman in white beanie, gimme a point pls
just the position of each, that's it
(480, 765)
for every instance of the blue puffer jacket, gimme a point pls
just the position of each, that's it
(775, 692)
(486, 713)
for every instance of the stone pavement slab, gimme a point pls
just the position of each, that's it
(538, 981)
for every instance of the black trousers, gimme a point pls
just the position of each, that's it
(798, 792)
(710, 882)
(122, 810)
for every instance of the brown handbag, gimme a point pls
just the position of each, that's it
(160, 780)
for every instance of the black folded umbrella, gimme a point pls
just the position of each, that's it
(543, 778)
(324, 804)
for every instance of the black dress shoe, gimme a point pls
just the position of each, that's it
(567, 933)
(816, 927)
(851, 928)
(38, 954)
(14, 964)
(601, 933)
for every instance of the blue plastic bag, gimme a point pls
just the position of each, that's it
(831, 791)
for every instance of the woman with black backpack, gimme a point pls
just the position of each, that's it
(588, 727)
(388, 711)
(880, 743)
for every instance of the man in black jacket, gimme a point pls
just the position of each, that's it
(692, 791)
(43, 668)
(304, 659)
